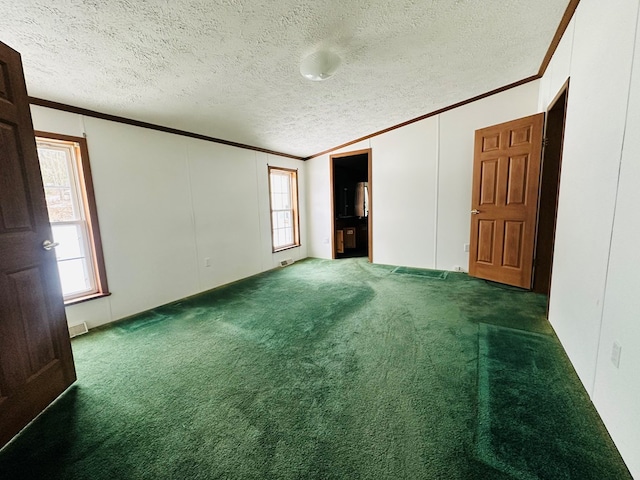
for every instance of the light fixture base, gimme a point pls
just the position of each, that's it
(320, 65)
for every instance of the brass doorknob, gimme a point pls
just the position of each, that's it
(475, 212)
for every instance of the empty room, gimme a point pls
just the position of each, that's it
(319, 240)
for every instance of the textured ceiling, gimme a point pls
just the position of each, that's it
(229, 68)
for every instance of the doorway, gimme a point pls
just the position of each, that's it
(549, 190)
(350, 177)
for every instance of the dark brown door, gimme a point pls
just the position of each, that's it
(506, 175)
(36, 364)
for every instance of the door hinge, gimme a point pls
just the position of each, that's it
(545, 142)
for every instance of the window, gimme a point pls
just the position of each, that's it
(283, 193)
(68, 188)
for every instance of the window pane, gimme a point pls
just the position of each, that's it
(55, 166)
(282, 238)
(286, 219)
(277, 201)
(286, 201)
(70, 239)
(73, 277)
(283, 220)
(64, 181)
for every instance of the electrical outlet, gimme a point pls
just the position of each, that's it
(207, 261)
(466, 247)
(458, 268)
(615, 354)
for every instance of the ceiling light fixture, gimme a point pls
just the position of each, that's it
(319, 65)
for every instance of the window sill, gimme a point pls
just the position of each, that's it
(85, 298)
(288, 247)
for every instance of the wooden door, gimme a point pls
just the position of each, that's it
(36, 364)
(506, 175)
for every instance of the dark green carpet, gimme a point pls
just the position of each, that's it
(517, 370)
(324, 370)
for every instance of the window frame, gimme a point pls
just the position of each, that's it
(86, 194)
(295, 210)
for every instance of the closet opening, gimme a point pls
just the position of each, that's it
(549, 191)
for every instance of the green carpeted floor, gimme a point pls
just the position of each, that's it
(324, 370)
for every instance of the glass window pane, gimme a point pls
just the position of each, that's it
(282, 238)
(286, 201)
(277, 201)
(70, 239)
(58, 184)
(73, 276)
(282, 202)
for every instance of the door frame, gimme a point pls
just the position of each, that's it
(539, 285)
(366, 151)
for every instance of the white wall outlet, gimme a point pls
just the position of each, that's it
(466, 247)
(458, 268)
(207, 261)
(615, 354)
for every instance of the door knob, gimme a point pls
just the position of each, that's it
(49, 245)
(475, 212)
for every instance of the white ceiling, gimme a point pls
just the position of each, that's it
(229, 68)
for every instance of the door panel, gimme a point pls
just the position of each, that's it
(14, 208)
(36, 364)
(488, 185)
(504, 201)
(512, 248)
(517, 181)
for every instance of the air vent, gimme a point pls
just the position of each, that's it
(284, 263)
(76, 330)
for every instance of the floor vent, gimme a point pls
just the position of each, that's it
(422, 272)
(78, 330)
(288, 261)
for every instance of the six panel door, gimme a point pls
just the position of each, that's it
(506, 176)
(36, 363)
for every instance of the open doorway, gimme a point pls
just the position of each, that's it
(549, 190)
(351, 208)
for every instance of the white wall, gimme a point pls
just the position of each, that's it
(165, 203)
(600, 70)
(421, 184)
(457, 128)
(404, 183)
(595, 288)
(617, 391)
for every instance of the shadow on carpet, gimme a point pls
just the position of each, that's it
(530, 426)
